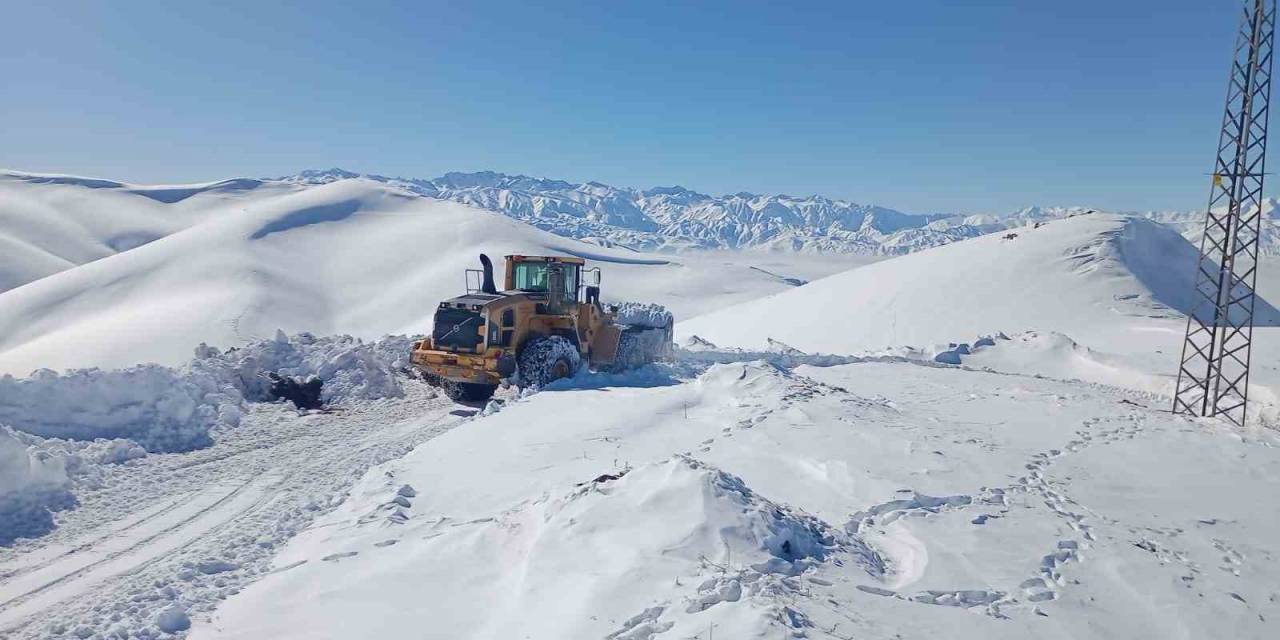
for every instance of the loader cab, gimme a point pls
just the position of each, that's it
(557, 278)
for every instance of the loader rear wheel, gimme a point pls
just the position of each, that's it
(546, 359)
(468, 391)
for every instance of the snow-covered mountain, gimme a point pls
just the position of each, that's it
(673, 218)
(669, 218)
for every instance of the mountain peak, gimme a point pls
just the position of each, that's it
(320, 176)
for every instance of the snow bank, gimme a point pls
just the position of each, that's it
(160, 408)
(166, 409)
(32, 487)
(351, 369)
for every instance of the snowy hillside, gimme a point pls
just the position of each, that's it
(354, 256)
(1114, 284)
(49, 223)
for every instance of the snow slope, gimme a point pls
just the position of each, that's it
(870, 500)
(355, 256)
(49, 223)
(1115, 284)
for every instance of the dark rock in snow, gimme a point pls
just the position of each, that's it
(303, 394)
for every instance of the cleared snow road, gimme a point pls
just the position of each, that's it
(191, 529)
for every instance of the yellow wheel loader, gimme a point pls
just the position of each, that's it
(543, 325)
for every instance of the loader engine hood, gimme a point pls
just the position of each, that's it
(458, 321)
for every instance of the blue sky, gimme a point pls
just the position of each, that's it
(922, 106)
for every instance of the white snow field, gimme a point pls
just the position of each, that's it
(971, 441)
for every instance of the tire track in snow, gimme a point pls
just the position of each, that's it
(292, 467)
(134, 555)
(59, 553)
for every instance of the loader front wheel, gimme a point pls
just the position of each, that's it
(547, 359)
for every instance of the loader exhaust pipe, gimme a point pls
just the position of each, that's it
(487, 286)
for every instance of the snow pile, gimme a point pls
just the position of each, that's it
(350, 368)
(32, 486)
(165, 409)
(641, 314)
(160, 408)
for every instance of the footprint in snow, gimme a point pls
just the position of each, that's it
(339, 556)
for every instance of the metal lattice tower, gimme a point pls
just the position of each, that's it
(1213, 378)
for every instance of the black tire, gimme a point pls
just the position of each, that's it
(546, 359)
(468, 391)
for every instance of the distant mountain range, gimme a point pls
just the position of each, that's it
(675, 218)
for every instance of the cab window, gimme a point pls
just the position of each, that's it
(531, 276)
